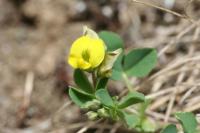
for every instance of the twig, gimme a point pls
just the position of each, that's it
(187, 4)
(187, 94)
(85, 128)
(114, 129)
(54, 116)
(192, 101)
(181, 34)
(173, 97)
(193, 108)
(160, 93)
(160, 102)
(174, 65)
(28, 88)
(102, 128)
(164, 9)
(196, 34)
(169, 107)
(155, 115)
(159, 116)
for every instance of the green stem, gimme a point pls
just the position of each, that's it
(94, 79)
(127, 82)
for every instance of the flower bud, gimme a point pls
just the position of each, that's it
(92, 115)
(105, 69)
(94, 104)
(89, 32)
(103, 112)
(115, 98)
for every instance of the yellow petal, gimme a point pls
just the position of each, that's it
(72, 60)
(79, 46)
(83, 64)
(97, 52)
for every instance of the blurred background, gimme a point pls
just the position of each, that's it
(35, 37)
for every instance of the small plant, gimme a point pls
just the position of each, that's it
(102, 57)
(188, 123)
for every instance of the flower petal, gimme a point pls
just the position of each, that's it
(97, 52)
(72, 60)
(83, 64)
(79, 46)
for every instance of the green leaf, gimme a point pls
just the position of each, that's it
(78, 97)
(104, 97)
(82, 81)
(188, 121)
(131, 98)
(116, 75)
(139, 62)
(131, 120)
(170, 129)
(112, 40)
(148, 126)
(101, 83)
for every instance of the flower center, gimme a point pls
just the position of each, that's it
(86, 55)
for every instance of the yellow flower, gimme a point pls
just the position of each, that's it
(87, 52)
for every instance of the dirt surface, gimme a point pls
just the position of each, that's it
(35, 36)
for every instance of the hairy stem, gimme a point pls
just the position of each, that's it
(127, 82)
(94, 79)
